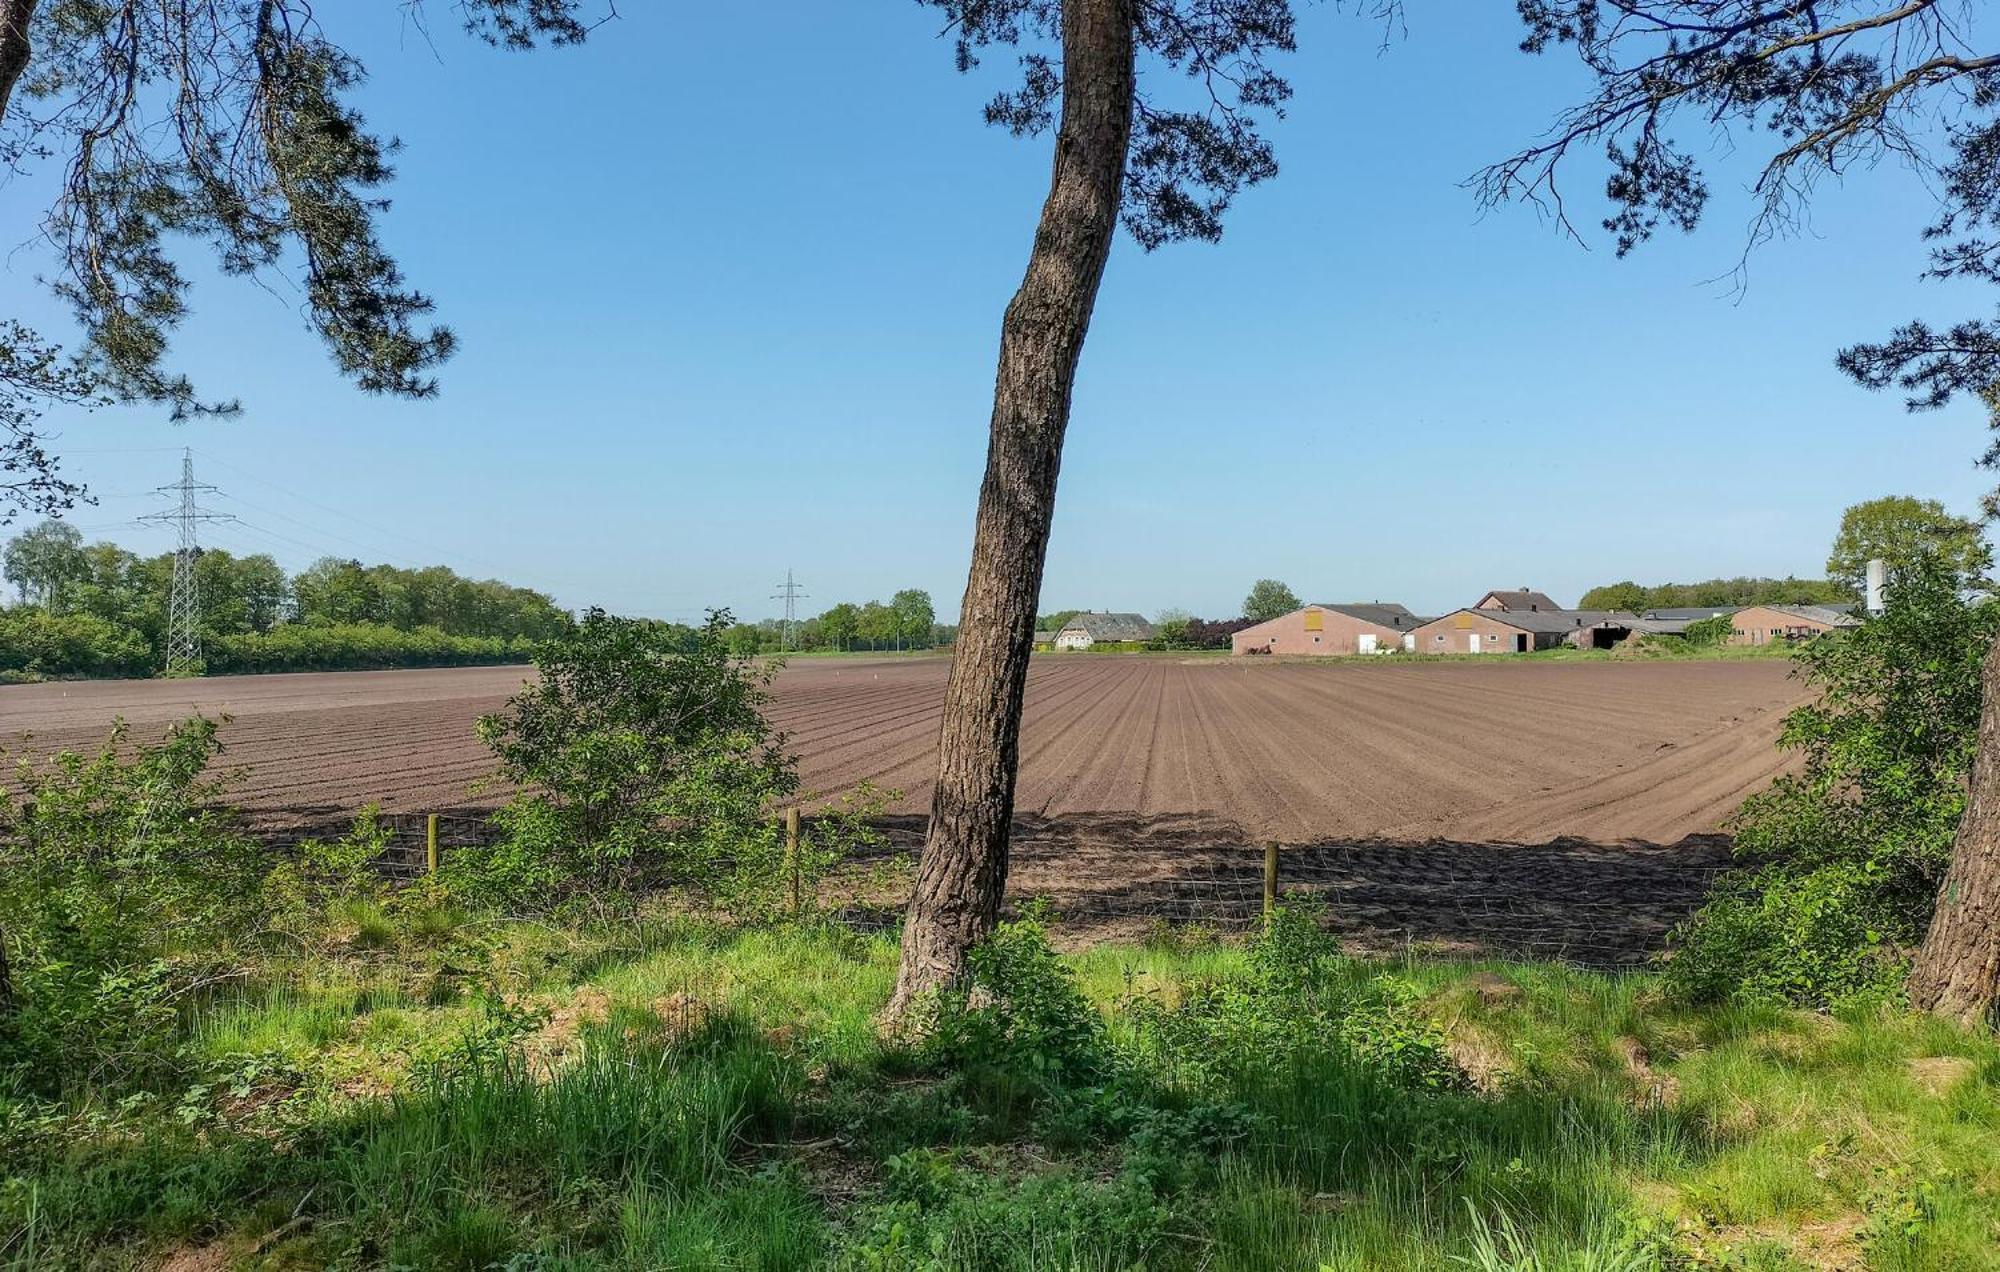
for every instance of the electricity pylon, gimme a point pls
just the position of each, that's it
(184, 603)
(790, 592)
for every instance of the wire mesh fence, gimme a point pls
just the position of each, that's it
(413, 843)
(1119, 878)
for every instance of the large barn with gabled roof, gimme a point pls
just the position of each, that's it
(1370, 627)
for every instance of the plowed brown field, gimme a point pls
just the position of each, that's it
(1510, 751)
(1548, 809)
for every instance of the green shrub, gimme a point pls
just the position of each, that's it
(123, 889)
(1296, 998)
(1779, 937)
(1713, 630)
(1845, 856)
(354, 647)
(35, 643)
(1022, 1014)
(645, 760)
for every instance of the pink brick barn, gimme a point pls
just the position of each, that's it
(1329, 629)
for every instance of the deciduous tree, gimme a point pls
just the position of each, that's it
(45, 564)
(1835, 86)
(840, 625)
(1268, 599)
(914, 616)
(1169, 169)
(1902, 530)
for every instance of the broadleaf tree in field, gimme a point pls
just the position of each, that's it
(1165, 156)
(229, 122)
(915, 616)
(840, 625)
(1902, 530)
(1820, 90)
(1269, 599)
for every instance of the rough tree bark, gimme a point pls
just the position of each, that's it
(963, 869)
(14, 15)
(1957, 973)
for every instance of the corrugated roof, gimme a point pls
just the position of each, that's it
(1381, 613)
(1109, 626)
(1831, 615)
(1691, 613)
(1550, 620)
(1525, 599)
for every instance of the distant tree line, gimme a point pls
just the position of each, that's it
(1636, 598)
(99, 610)
(908, 621)
(1902, 531)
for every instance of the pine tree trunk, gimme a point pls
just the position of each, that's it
(963, 870)
(14, 16)
(1957, 973)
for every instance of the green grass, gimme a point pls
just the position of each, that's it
(671, 1094)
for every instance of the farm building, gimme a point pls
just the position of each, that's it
(1520, 601)
(1088, 629)
(1330, 629)
(1490, 630)
(1767, 624)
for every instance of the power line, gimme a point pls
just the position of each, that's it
(184, 604)
(321, 530)
(275, 537)
(353, 520)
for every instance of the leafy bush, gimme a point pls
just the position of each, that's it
(35, 643)
(356, 646)
(324, 873)
(1846, 855)
(1713, 630)
(645, 760)
(1781, 937)
(122, 891)
(1296, 997)
(1022, 1013)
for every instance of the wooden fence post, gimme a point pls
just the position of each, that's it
(792, 857)
(431, 843)
(1270, 879)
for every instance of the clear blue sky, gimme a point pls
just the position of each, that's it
(728, 280)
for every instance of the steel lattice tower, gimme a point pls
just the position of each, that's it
(789, 592)
(184, 603)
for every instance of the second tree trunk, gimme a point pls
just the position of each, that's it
(1957, 973)
(963, 870)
